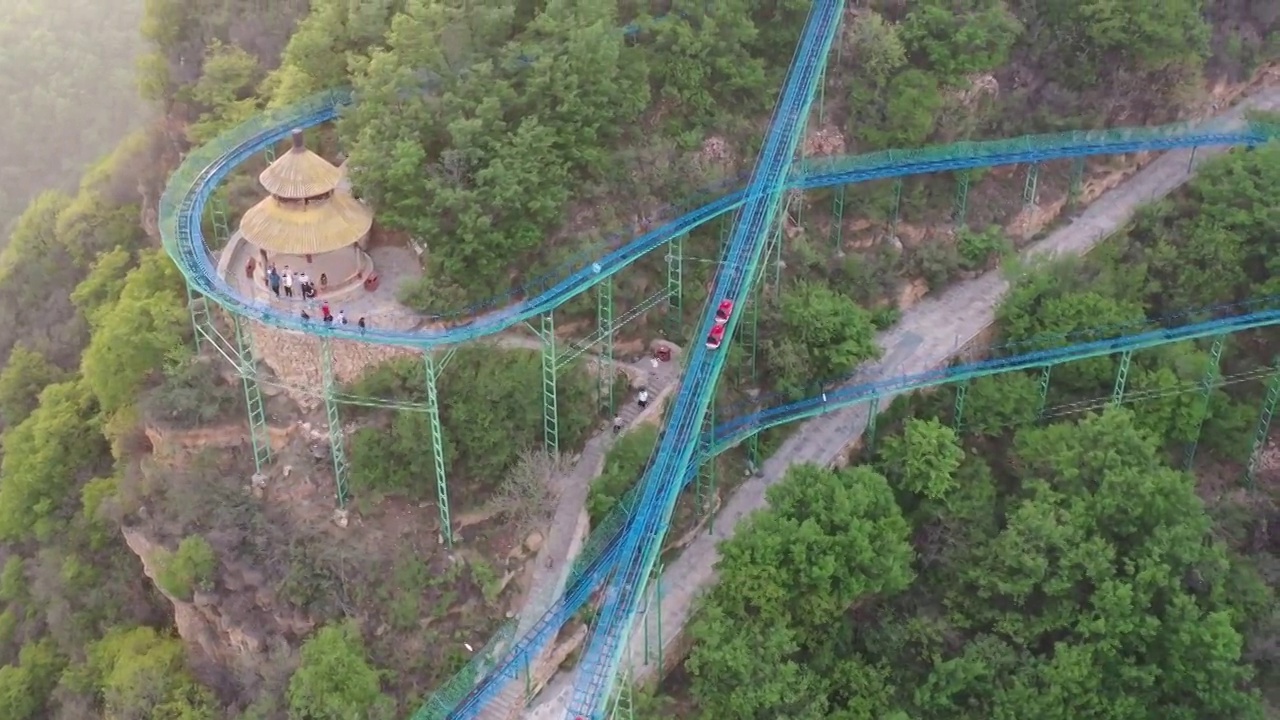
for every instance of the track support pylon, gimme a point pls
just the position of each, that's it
(337, 439)
(259, 435)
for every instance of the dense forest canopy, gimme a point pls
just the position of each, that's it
(1065, 569)
(67, 73)
(1033, 564)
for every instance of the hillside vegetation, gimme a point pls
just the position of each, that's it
(1047, 564)
(560, 129)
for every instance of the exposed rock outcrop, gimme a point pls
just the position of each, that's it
(228, 632)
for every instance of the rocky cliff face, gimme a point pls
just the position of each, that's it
(235, 635)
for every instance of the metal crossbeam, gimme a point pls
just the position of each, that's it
(575, 350)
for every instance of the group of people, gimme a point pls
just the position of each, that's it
(283, 284)
(339, 320)
(277, 281)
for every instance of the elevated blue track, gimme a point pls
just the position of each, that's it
(185, 199)
(676, 450)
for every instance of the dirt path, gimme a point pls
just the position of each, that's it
(926, 337)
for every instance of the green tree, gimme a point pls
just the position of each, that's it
(140, 674)
(923, 459)
(335, 681)
(102, 287)
(188, 570)
(25, 688)
(225, 88)
(45, 457)
(960, 38)
(829, 539)
(824, 335)
(24, 377)
(133, 337)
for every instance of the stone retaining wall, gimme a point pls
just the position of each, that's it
(295, 360)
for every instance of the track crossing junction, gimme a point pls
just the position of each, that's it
(619, 559)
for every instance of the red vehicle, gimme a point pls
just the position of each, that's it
(724, 311)
(715, 337)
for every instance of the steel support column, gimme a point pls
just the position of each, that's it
(1263, 429)
(1122, 377)
(550, 418)
(1206, 391)
(259, 436)
(773, 249)
(960, 211)
(675, 288)
(198, 306)
(218, 215)
(337, 446)
(896, 209)
(605, 330)
(1029, 188)
(705, 482)
(623, 704)
(837, 220)
(1042, 400)
(751, 345)
(437, 445)
(962, 392)
(1077, 178)
(873, 410)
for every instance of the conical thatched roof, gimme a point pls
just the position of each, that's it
(319, 227)
(299, 173)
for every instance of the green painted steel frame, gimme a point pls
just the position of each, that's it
(675, 288)
(218, 215)
(1263, 429)
(433, 371)
(259, 435)
(605, 331)
(1077, 178)
(1206, 391)
(960, 209)
(837, 219)
(957, 417)
(896, 209)
(337, 439)
(1122, 377)
(1043, 396)
(705, 482)
(550, 417)
(1029, 188)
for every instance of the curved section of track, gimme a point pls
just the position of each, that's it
(192, 185)
(188, 193)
